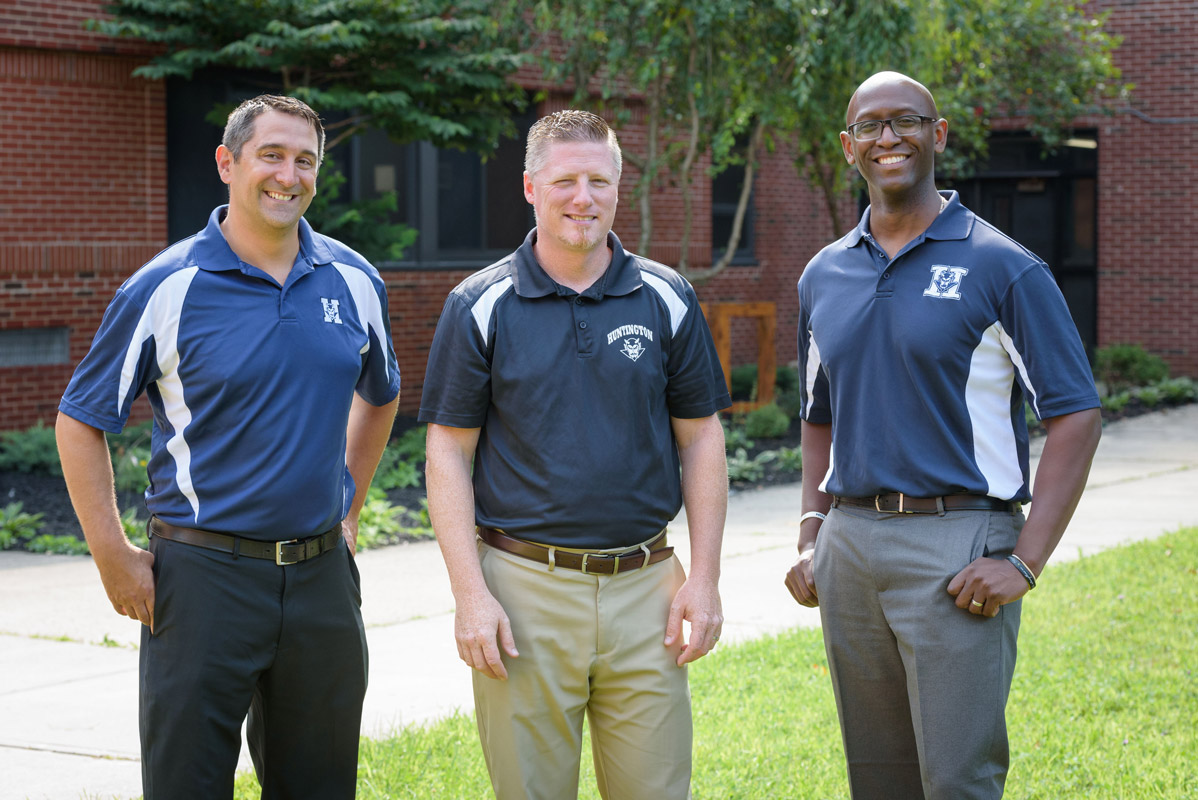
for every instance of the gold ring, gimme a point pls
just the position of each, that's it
(976, 603)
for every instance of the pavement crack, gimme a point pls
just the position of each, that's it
(68, 751)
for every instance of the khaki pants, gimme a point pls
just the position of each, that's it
(593, 644)
(921, 685)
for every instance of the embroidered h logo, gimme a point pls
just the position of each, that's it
(946, 282)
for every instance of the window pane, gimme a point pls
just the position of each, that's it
(459, 200)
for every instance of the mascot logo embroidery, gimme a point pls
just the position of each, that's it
(946, 282)
(633, 348)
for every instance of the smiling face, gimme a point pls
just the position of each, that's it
(574, 195)
(895, 166)
(273, 181)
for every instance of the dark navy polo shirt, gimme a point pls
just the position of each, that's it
(922, 364)
(250, 382)
(574, 394)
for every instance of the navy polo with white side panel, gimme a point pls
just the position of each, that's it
(251, 383)
(574, 394)
(922, 364)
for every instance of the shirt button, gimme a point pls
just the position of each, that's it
(582, 324)
(886, 275)
(578, 300)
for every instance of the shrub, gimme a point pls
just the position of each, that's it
(1150, 396)
(30, 450)
(399, 467)
(17, 525)
(57, 544)
(790, 459)
(1178, 390)
(743, 381)
(129, 469)
(743, 468)
(135, 529)
(735, 437)
(378, 524)
(1114, 403)
(1122, 366)
(767, 422)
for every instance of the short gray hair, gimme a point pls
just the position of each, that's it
(240, 127)
(568, 126)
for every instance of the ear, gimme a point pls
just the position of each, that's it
(940, 129)
(224, 163)
(528, 193)
(846, 144)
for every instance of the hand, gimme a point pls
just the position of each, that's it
(128, 577)
(481, 626)
(697, 602)
(990, 582)
(800, 580)
(349, 530)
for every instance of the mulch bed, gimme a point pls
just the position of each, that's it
(38, 492)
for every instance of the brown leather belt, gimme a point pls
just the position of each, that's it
(291, 551)
(590, 563)
(899, 503)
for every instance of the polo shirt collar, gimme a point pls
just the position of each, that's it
(954, 222)
(530, 280)
(212, 251)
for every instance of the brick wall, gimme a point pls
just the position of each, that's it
(84, 204)
(1147, 174)
(85, 193)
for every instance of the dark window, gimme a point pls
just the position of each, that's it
(725, 195)
(468, 211)
(27, 347)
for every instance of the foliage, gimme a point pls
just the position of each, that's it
(790, 459)
(742, 468)
(129, 469)
(399, 467)
(382, 523)
(767, 422)
(135, 528)
(734, 80)
(17, 525)
(1122, 366)
(786, 379)
(735, 437)
(743, 381)
(1176, 391)
(1101, 707)
(31, 450)
(421, 70)
(1114, 403)
(58, 544)
(364, 223)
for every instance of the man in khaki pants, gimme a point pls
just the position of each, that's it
(577, 380)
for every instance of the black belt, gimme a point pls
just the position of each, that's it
(291, 551)
(899, 503)
(590, 563)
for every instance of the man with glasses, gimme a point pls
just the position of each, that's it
(921, 335)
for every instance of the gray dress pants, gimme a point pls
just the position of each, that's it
(921, 686)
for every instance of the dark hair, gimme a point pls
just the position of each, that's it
(568, 126)
(240, 127)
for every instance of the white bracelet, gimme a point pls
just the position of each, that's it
(812, 515)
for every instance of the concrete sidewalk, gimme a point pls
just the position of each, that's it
(68, 704)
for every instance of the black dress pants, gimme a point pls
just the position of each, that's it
(243, 635)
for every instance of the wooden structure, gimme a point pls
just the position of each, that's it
(719, 319)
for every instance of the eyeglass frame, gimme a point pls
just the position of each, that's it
(888, 122)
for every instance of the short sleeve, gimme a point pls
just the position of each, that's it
(814, 405)
(457, 383)
(695, 386)
(1049, 357)
(379, 382)
(121, 363)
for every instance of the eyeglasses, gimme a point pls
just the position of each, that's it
(906, 125)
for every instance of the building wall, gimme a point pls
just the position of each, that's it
(84, 202)
(1147, 174)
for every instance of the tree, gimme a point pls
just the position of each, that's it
(421, 70)
(735, 79)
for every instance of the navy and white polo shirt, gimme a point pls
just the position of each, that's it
(574, 394)
(250, 382)
(922, 364)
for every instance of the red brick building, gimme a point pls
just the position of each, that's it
(90, 196)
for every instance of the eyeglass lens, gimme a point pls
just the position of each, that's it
(902, 126)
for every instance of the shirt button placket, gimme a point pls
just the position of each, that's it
(582, 327)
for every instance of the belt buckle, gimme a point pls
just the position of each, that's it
(279, 553)
(586, 556)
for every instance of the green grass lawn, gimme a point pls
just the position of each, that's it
(1104, 706)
